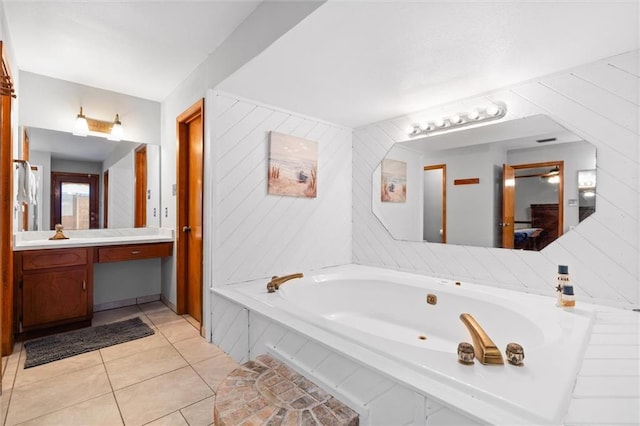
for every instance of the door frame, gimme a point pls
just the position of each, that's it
(56, 198)
(182, 199)
(560, 165)
(443, 168)
(140, 208)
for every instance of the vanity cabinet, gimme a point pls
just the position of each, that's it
(53, 287)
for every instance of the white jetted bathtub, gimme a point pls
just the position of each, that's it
(386, 312)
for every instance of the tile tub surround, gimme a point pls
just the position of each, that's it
(266, 391)
(611, 358)
(35, 240)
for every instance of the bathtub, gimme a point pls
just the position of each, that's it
(386, 314)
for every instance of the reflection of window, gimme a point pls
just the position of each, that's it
(586, 193)
(74, 200)
(75, 205)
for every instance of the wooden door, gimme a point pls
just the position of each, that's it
(140, 217)
(508, 204)
(440, 194)
(190, 131)
(78, 207)
(105, 207)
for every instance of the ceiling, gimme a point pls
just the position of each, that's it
(65, 146)
(142, 48)
(355, 63)
(348, 62)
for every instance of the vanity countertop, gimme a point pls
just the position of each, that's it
(38, 240)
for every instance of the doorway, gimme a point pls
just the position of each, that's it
(140, 214)
(189, 194)
(533, 204)
(74, 200)
(435, 204)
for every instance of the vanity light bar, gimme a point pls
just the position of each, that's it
(478, 115)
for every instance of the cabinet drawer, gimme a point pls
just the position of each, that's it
(45, 259)
(134, 252)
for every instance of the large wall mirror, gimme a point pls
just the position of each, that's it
(86, 182)
(516, 184)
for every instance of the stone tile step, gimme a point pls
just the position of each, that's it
(267, 392)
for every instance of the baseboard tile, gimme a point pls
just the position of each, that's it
(126, 302)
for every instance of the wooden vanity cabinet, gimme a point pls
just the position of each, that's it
(53, 287)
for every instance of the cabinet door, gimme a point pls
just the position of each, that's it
(54, 296)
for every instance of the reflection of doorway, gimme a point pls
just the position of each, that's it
(74, 200)
(190, 131)
(435, 204)
(140, 213)
(105, 185)
(529, 220)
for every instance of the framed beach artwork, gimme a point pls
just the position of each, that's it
(293, 166)
(394, 181)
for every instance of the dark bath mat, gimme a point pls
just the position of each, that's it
(64, 345)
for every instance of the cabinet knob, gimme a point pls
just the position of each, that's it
(84, 285)
(186, 229)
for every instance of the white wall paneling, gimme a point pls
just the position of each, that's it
(230, 328)
(257, 235)
(597, 101)
(378, 399)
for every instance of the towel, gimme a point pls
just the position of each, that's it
(33, 188)
(25, 181)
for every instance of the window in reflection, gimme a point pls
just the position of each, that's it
(75, 205)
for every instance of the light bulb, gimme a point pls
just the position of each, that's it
(493, 110)
(456, 119)
(116, 131)
(81, 127)
(474, 114)
(439, 122)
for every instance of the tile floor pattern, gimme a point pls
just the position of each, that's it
(169, 378)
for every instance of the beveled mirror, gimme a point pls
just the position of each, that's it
(515, 184)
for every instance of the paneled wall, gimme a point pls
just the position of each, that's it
(597, 101)
(256, 235)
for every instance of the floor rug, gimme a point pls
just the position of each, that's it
(64, 345)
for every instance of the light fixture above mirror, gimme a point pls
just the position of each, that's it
(475, 116)
(110, 129)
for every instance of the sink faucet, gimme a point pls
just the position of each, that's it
(276, 281)
(486, 351)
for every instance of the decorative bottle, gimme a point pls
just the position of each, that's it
(562, 278)
(568, 298)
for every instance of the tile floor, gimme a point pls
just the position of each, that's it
(169, 378)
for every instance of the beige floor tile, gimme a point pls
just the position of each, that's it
(143, 365)
(197, 349)
(214, 370)
(114, 315)
(65, 366)
(154, 307)
(176, 331)
(191, 320)
(157, 397)
(102, 410)
(159, 318)
(200, 413)
(10, 370)
(173, 419)
(133, 347)
(47, 396)
(4, 405)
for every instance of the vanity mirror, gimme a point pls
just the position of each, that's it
(516, 184)
(89, 182)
